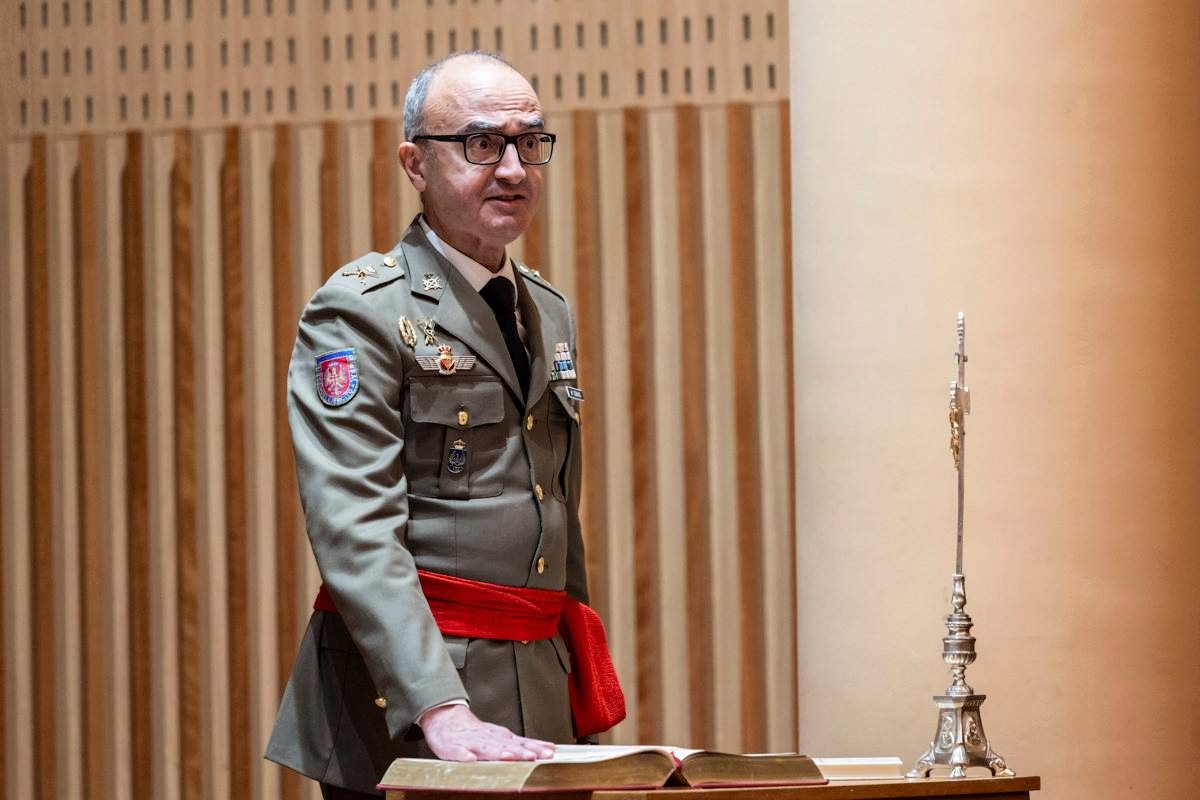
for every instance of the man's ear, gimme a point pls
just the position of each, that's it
(412, 159)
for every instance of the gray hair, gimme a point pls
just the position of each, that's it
(418, 90)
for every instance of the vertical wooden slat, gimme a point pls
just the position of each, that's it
(110, 156)
(4, 500)
(660, 349)
(61, 379)
(697, 512)
(785, 168)
(743, 296)
(137, 465)
(618, 483)
(92, 381)
(383, 185)
(187, 568)
(259, 402)
(559, 203)
(332, 248)
(41, 472)
(533, 241)
(772, 408)
(237, 549)
(18, 695)
(641, 422)
(589, 317)
(285, 314)
(208, 153)
(721, 348)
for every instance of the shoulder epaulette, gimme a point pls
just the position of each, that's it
(536, 276)
(373, 270)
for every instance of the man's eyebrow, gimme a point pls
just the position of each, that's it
(483, 126)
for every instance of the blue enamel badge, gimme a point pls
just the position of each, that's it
(456, 459)
(337, 377)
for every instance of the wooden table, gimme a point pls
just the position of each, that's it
(941, 788)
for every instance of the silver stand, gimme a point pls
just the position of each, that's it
(959, 741)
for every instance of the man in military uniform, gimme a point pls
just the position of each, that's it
(435, 418)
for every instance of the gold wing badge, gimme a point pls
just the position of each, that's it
(445, 362)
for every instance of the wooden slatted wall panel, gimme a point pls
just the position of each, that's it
(161, 277)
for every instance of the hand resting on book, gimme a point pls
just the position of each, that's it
(454, 733)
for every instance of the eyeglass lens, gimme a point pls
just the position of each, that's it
(488, 148)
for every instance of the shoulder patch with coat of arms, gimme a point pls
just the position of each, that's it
(337, 377)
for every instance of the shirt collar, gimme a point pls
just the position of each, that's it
(476, 274)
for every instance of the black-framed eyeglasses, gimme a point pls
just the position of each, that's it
(533, 147)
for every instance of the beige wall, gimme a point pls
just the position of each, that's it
(1035, 165)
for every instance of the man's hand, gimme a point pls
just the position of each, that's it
(454, 733)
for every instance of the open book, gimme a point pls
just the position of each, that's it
(593, 767)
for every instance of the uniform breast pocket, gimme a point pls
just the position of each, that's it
(455, 437)
(564, 434)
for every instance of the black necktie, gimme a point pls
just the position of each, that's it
(501, 295)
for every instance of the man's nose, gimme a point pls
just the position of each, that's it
(509, 168)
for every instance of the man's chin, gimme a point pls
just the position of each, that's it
(508, 226)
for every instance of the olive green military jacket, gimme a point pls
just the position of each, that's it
(411, 457)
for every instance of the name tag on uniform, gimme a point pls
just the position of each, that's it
(574, 393)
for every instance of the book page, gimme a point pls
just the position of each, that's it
(586, 753)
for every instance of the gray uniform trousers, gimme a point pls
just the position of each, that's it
(402, 465)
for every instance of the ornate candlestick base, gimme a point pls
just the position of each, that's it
(959, 741)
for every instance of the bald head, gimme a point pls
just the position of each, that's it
(425, 85)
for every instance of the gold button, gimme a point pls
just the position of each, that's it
(529, 422)
(463, 417)
(537, 489)
(579, 417)
(541, 565)
(381, 702)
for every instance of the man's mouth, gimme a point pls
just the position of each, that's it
(507, 198)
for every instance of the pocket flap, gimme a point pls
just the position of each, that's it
(564, 394)
(440, 401)
(457, 647)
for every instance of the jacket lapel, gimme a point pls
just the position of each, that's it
(461, 312)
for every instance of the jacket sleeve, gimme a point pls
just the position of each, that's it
(353, 489)
(577, 585)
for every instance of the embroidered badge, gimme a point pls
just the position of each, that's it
(564, 367)
(431, 282)
(445, 361)
(456, 459)
(337, 377)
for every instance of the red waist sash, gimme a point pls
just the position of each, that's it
(480, 610)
